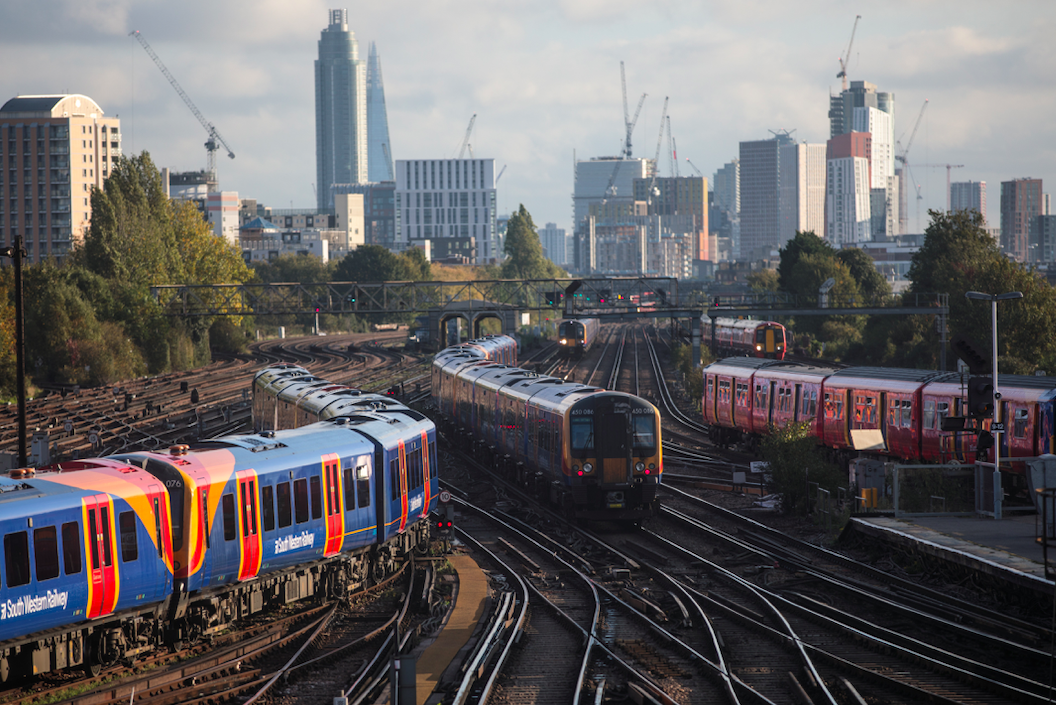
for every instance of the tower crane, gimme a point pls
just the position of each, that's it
(672, 149)
(847, 57)
(948, 168)
(699, 172)
(903, 159)
(215, 140)
(628, 122)
(656, 158)
(465, 140)
(501, 172)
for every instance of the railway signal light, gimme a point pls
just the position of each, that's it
(980, 396)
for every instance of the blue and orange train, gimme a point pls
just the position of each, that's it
(103, 559)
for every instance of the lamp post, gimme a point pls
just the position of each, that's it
(993, 299)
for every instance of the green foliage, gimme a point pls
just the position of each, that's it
(871, 285)
(795, 459)
(304, 269)
(804, 243)
(7, 334)
(227, 336)
(682, 358)
(374, 263)
(524, 252)
(763, 281)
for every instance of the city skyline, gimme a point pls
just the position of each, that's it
(544, 81)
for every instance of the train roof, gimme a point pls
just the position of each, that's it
(780, 369)
(739, 322)
(742, 363)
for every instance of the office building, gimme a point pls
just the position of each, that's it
(760, 172)
(449, 202)
(340, 109)
(1021, 202)
(968, 196)
(379, 149)
(802, 190)
(724, 213)
(53, 150)
(593, 179)
(1043, 238)
(379, 210)
(555, 244)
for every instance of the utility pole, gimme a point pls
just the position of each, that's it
(17, 253)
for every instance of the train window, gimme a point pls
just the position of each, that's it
(929, 414)
(870, 410)
(362, 486)
(71, 548)
(126, 523)
(228, 501)
(760, 396)
(282, 497)
(317, 498)
(894, 412)
(46, 553)
(582, 430)
(157, 527)
(300, 500)
(249, 508)
(1019, 428)
(907, 413)
(16, 555)
(104, 517)
(643, 433)
(711, 387)
(267, 506)
(350, 489)
(942, 410)
(394, 478)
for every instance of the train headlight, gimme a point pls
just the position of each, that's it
(588, 467)
(758, 347)
(563, 341)
(639, 466)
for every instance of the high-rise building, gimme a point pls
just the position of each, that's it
(724, 218)
(679, 196)
(449, 202)
(379, 157)
(760, 170)
(1021, 203)
(1043, 238)
(340, 109)
(802, 200)
(848, 211)
(54, 149)
(555, 243)
(861, 94)
(968, 196)
(379, 214)
(594, 177)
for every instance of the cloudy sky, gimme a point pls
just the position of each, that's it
(543, 77)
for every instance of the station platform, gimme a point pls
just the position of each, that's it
(1005, 550)
(470, 600)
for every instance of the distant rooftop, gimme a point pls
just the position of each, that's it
(45, 106)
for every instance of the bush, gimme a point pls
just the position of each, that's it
(796, 459)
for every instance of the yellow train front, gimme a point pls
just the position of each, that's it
(593, 453)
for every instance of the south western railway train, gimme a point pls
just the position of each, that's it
(104, 559)
(595, 454)
(576, 336)
(734, 336)
(881, 411)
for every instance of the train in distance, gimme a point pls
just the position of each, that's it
(575, 336)
(590, 452)
(736, 336)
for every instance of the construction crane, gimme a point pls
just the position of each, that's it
(903, 159)
(501, 172)
(847, 57)
(465, 140)
(215, 140)
(653, 191)
(628, 122)
(672, 149)
(948, 168)
(699, 172)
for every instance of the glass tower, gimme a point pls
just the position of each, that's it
(380, 158)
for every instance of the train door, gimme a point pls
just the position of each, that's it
(161, 534)
(612, 431)
(770, 402)
(206, 571)
(400, 481)
(99, 540)
(250, 520)
(335, 518)
(427, 470)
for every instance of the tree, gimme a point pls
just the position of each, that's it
(871, 284)
(374, 263)
(304, 269)
(804, 243)
(796, 459)
(763, 281)
(524, 252)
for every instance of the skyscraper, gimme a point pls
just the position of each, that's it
(340, 109)
(760, 166)
(968, 196)
(847, 194)
(802, 200)
(63, 147)
(1021, 202)
(380, 149)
